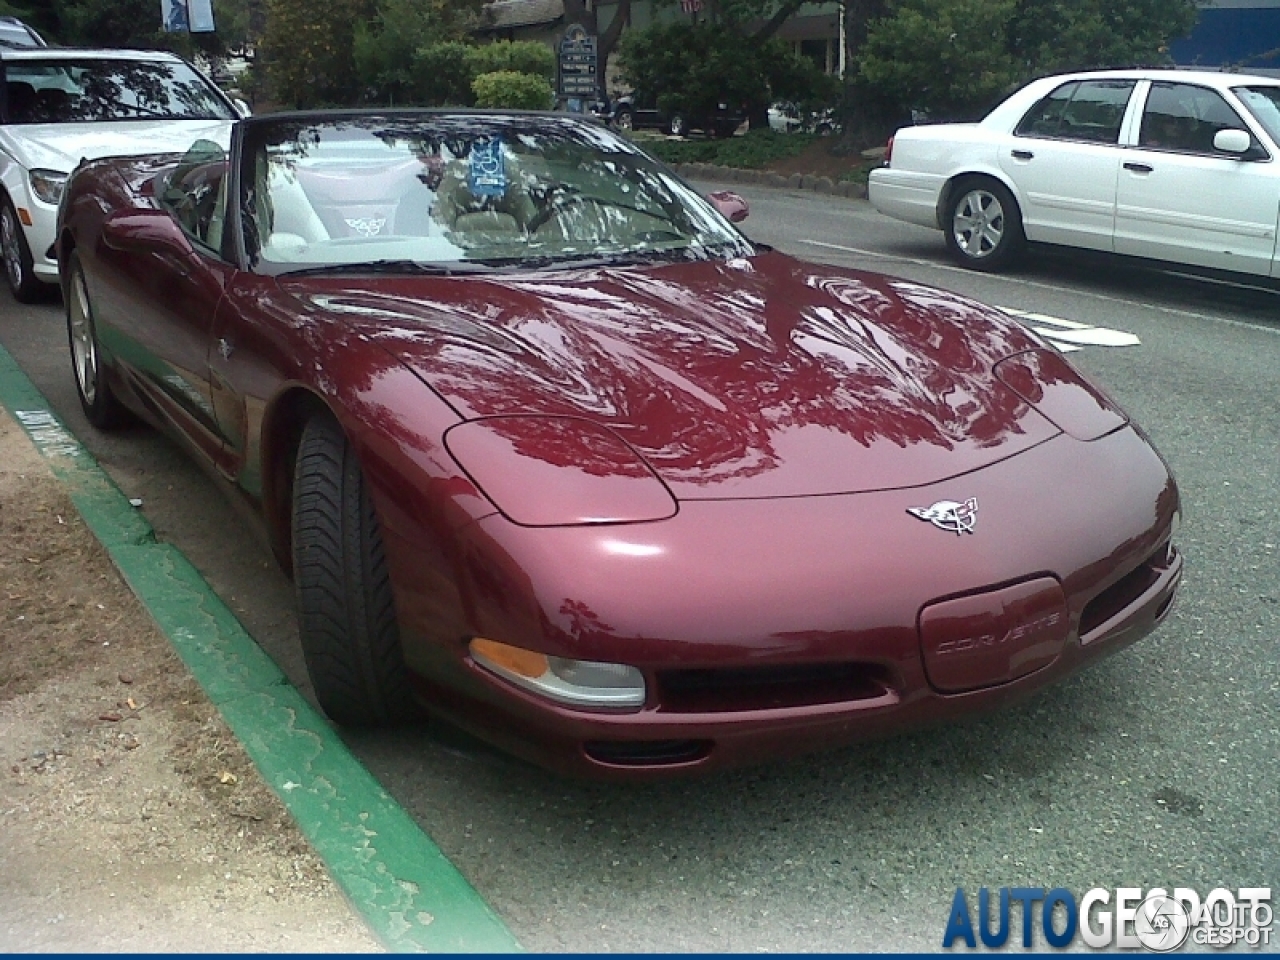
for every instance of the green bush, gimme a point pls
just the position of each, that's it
(522, 56)
(506, 89)
(754, 151)
(441, 74)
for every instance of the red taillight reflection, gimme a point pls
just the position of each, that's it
(888, 152)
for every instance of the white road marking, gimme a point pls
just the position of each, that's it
(1069, 335)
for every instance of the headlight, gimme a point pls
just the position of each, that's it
(47, 185)
(1060, 394)
(578, 683)
(549, 471)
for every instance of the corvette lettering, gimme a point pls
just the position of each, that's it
(1020, 632)
(948, 515)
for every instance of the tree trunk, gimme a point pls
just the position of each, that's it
(608, 41)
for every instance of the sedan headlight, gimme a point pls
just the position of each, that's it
(47, 185)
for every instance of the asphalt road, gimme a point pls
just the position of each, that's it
(1158, 767)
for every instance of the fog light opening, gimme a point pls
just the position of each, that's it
(578, 683)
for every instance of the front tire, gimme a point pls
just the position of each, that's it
(19, 268)
(983, 225)
(100, 405)
(676, 125)
(346, 612)
(624, 120)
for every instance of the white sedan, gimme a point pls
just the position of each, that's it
(1170, 165)
(62, 106)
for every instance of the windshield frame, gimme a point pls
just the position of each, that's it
(1270, 92)
(254, 135)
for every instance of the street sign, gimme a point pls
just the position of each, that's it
(577, 61)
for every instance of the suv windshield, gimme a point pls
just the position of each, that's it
(427, 191)
(73, 91)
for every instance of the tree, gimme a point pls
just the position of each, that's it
(136, 23)
(946, 56)
(386, 48)
(955, 58)
(308, 49)
(691, 68)
(1050, 36)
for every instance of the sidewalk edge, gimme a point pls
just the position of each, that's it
(409, 893)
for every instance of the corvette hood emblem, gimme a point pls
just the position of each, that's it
(948, 515)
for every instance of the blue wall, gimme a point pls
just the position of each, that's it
(1239, 35)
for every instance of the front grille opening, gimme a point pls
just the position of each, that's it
(646, 753)
(1123, 592)
(769, 688)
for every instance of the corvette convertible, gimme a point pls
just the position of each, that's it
(555, 453)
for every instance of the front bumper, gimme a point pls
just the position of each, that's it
(772, 627)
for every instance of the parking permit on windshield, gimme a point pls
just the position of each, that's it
(486, 170)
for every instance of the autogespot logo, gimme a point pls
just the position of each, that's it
(1127, 917)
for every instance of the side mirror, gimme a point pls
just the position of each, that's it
(242, 108)
(1232, 141)
(730, 205)
(145, 231)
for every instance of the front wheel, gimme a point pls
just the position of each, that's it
(983, 225)
(100, 405)
(676, 125)
(624, 120)
(346, 612)
(18, 264)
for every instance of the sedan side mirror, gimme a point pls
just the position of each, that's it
(145, 231)
(730, 205)
(1232, 141)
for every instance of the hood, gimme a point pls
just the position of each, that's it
(61, 146)
(752, 378)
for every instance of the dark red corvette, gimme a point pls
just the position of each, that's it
(551, 449)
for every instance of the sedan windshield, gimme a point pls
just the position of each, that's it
(76, 91)
(1264, 103)
(438, 193)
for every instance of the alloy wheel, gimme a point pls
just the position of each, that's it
(84, 348)
(979, 224)
(11, 247)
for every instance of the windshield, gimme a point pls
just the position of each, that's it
(75, 91)
(434, 191)
(1264, 104)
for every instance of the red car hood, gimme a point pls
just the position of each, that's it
(752, 378)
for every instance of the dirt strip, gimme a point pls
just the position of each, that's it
(130, 817)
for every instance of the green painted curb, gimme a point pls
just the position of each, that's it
(396, 877)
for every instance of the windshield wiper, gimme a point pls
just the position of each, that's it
(391, 266)
(629, 258)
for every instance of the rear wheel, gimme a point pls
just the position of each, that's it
(623, 120)
(100, 405)
(676, 125)
(18, 269)
(346, 613)
(983, 224)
